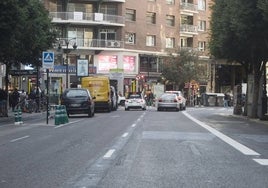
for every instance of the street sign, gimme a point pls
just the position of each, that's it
(48, 60)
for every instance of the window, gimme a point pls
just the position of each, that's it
(130, 15)
(202, 46)
(130, 38)
(109, 9)
(150, 40)
(170, 20)
(170, 42)
(201, 4)
(151, 17)
(202, 25)
(170, 2)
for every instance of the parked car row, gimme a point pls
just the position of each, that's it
(81, 101)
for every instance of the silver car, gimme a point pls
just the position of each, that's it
(181, 99)
(168, 101)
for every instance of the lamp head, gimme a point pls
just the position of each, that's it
(75, 46)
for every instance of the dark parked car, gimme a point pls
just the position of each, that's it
(78, 101)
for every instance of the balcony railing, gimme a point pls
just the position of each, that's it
(189, 29)
(189, 7)
(90, 18)
(189, 49)
(90, 43)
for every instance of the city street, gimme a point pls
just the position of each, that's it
(200, 147)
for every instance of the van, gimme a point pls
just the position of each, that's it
(99, 87)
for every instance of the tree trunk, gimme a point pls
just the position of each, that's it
(253, 92)
(6, 85)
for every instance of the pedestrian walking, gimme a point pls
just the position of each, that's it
(15, 97)
(3, 103)
(225, 100)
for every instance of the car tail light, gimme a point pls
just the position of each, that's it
(159, 100)
(175, 100)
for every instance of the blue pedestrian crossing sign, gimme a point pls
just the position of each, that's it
(48, 60)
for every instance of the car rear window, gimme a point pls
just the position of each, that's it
(168, 96)
(134, 96)
(76, 93)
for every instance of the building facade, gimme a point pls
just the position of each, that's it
(123, 39)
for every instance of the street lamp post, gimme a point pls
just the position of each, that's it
(67, 60)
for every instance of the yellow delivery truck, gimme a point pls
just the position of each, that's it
(99, 87)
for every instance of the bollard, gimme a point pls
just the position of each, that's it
(61, 115)
(57, 116)
(16, 117)
(20, 116)
(66, 120)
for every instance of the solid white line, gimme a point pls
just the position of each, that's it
(62, 125)
(243, 149)
(109, 153)
(124, 135)
(17, 139)
(262, 161)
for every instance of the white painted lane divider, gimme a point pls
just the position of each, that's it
(133, 125)
(21, 138)
(109, 154)
(263, 162)
(243, 149)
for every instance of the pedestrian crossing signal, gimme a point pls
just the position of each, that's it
(48, 60)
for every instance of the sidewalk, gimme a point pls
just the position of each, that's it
(25, 116)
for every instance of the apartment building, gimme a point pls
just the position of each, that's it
(124, 39)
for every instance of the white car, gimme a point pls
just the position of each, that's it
(135, 101)
(181, 99)
(121, 100)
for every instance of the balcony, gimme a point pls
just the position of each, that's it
(87, 18)
(189, 49)
(188, 29)
(188, 8)
(87, 43)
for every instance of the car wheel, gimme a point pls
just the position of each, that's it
(126, 109)
(158, 109)
(109, 109)
(89, 113)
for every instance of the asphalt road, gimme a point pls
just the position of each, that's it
(199, 147)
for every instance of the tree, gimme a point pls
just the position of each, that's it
(25, 31)
(181, 68)
(239, 33)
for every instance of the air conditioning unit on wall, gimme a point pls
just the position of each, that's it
(113, 44)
